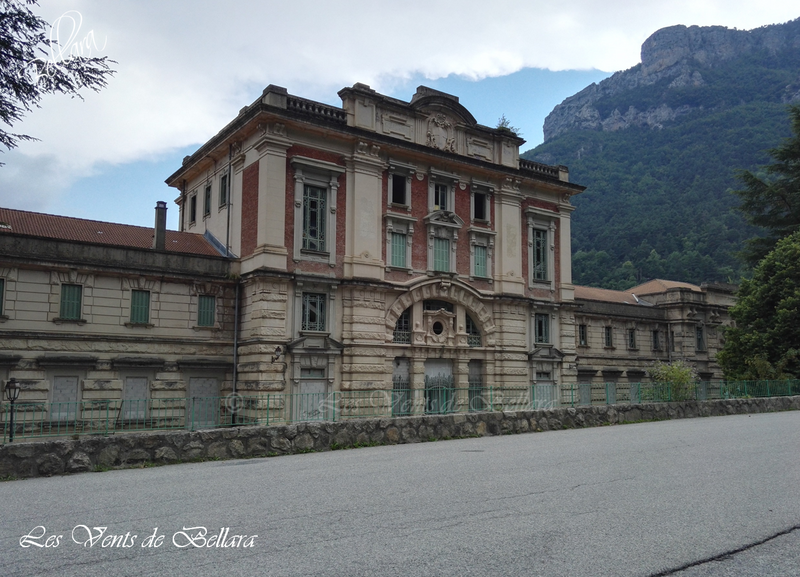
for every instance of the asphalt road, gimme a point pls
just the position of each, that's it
(713, 496)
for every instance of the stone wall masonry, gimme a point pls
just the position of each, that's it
(56, 457)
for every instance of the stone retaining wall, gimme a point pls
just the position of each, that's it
(45, 458)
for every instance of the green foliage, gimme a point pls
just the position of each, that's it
(765, 342)
(504, 123)
(772, 201)
(678, 374)
(657, 202)
(31, 65)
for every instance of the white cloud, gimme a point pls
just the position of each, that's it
(185, 69)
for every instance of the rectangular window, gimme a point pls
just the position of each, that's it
(314, 305)
(398, 250)
(314, 218)
(71, 301)
(631, 338)
(206, 310)
(192, 209)
(656, 341)
(207, 201)
(542, 328)
(479, 200)
(701, 341)
(441, 255)
(539, 254)
(583, 337)
(440, 192)
(140, 307)
(672, 341)
(2, 294)
(223, 190)
(609, 337)
(480, 261)
(399, 189)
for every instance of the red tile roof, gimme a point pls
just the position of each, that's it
(605, 295)
(96, 232)
(660, 286)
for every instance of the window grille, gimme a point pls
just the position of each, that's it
(402, 330)
(539, 254)
(314, 317)
(314, 214)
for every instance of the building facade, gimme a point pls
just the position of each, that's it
(92, 310)
(386, 241)
(378, 245)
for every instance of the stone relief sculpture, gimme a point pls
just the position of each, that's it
(441, 134)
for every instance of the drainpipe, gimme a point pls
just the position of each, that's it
(228, 197)
(236, 337)
(236, 344)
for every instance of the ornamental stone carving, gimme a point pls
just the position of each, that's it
(441, 134)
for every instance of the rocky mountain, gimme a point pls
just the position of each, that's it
(659, 146)
(674, 59)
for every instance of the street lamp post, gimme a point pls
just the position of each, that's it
(12, 394)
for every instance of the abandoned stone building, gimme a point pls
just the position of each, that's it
(354, 248)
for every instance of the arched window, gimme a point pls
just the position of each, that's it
(473, 333)
(402, 330)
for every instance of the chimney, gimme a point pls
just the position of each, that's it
(160, 236)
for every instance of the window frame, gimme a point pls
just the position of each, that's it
(402, 329)
(479, 237)
(442, 186)
(63, 312)
(656, 340)
(441, 196)
(396, 181)
(480, 261)
(541, 329)
(632, 339)
(134, 306)
(324, 176)
(403, 225)
(320, 238)
(474, 337)
(399, 246)
(2, 297)
(320, 325)
(193, 209)
(541, 224)
(700, 338)
(442, 254)
(224, 189)
(206, 305)
(207, 201)
(608, 337)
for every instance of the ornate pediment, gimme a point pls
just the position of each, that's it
(444, 218)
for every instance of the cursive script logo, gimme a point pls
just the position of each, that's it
(64, 44)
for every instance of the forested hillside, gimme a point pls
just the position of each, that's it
(659, 146)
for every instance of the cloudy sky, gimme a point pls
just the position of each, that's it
(184, 69)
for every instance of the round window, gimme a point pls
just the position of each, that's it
(438, 328)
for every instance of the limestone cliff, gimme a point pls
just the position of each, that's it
(673, 58)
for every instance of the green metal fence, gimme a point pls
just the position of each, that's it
(105, 417)
(616, 393)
